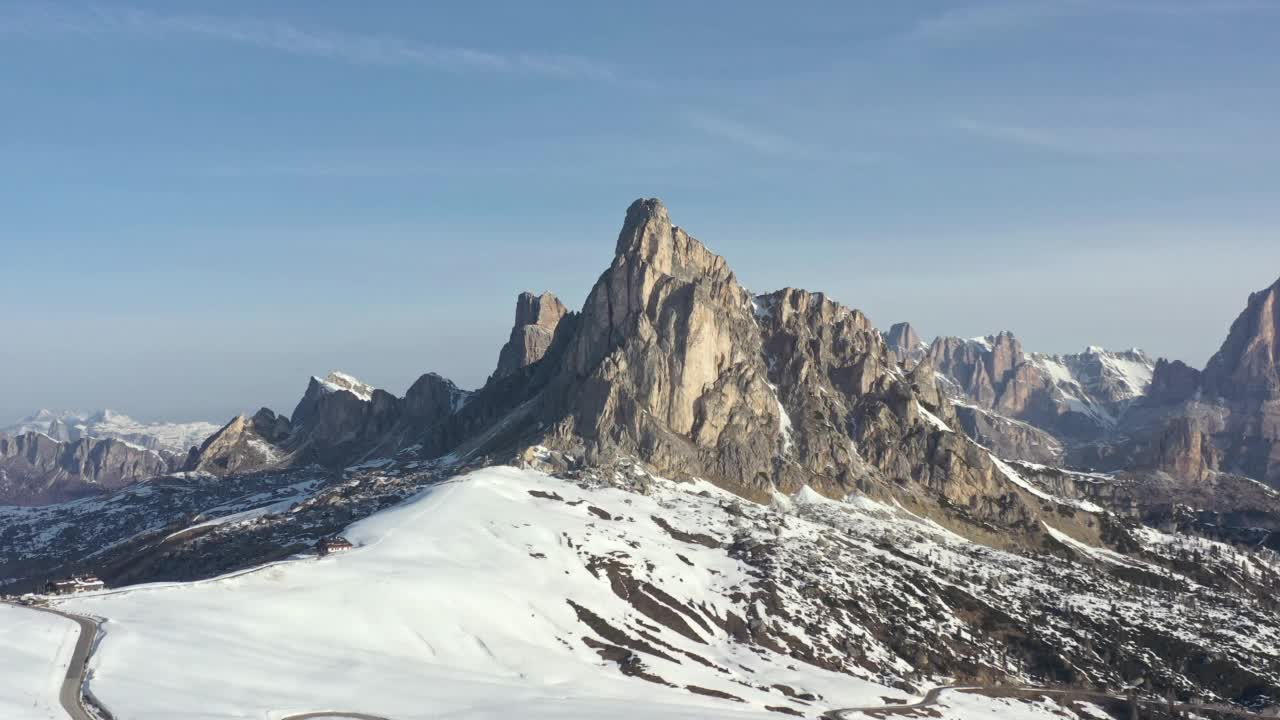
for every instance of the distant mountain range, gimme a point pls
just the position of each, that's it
(70, 425)
(1116, 411)
(52, 456)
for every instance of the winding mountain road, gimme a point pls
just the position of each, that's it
(72, 693)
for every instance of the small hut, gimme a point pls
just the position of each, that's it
(332, 545)
(72, 585)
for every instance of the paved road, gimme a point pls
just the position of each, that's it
(72, 693)
(342, 715)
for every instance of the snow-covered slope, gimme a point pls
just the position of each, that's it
(66, 426)
(35, 648)
(473, 599)
(510, 593)
(1097, 382)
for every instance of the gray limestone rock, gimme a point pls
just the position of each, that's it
(537, 317)
(36, 469)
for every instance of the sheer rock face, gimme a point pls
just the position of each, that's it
(665, 363)
(35, 469)
(270, 426)
(1172, 382)
(423, 417)
(430, 398)
(537, 317)
(1229, 416)
(905, 344)
(985, 371)
(337, 418)
(1248, 363)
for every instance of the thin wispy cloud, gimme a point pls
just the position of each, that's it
(293, 39)
(963, 23)
(761, 141)
(1088, 141)
(973, 22)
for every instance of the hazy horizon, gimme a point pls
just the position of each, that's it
(205, 207)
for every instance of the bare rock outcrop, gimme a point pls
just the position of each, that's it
(537, 317)
(905, 344)
(1248, 363)
(245, 444)
(1228, 419)
(1172, 381)
(665, 363)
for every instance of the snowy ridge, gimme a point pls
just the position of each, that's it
(337, 381)
(1097, 376)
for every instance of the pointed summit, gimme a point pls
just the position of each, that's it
(905, 344)
(902, 336)
(646, 218)
(648, 238)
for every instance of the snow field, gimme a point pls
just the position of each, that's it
(35, 648)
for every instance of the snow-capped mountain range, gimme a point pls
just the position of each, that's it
(70, 425)
(1035, 406)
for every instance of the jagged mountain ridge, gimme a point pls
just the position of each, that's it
(672, 360)
(1118, 411)
(672, 371)
(1038, 407)
(1077, 397)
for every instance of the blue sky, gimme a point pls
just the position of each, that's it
(204, 203)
